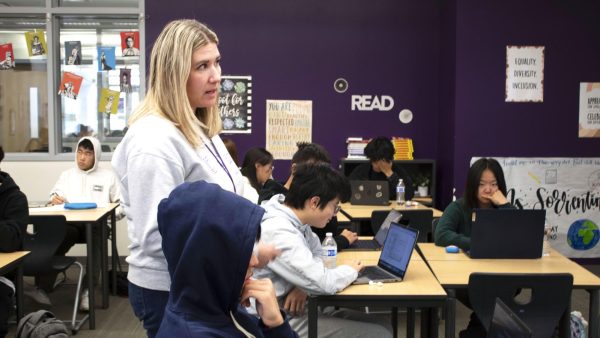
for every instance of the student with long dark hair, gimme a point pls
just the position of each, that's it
(485, 188)
(257, 167)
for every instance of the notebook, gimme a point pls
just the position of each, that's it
(370, 193)
(507, 233)
(506, 324)
(395, 256)
(377, 242)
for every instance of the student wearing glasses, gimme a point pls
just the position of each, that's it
(312, 201)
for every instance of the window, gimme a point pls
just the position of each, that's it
(70, 76)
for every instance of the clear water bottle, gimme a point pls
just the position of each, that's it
(400, 199)
(329, 248)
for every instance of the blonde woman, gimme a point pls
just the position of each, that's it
(173, 137)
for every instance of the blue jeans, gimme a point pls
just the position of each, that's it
(149, 306)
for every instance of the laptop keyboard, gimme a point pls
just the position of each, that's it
(374, 273)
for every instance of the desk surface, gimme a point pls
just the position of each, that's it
(86, 215)
(363, 212)
(418, 281)
(11, 257)
(454, 269)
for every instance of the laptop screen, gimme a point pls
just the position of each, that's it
(506, 324)
(399, 244)
(393, 216)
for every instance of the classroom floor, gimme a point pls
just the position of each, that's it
(119, 321)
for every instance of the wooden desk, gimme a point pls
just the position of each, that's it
(342, 218)
(92, 217)
(363, 212)
(453, 270)
(419, 289)
(11, 261)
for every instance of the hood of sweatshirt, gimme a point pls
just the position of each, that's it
(97, 152)
(207, 237)
(275, 208)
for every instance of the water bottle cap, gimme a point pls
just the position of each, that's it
(330, 234)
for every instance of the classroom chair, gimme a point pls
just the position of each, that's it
(549, 300)
(47, 235)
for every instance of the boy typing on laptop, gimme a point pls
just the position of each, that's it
(312, 200)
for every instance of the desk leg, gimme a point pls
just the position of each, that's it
(450, 313)
(104, 261)
(594, 314)
(114, 252)
(90, 274)
(19, 292)
(410, 322)
(313, 316)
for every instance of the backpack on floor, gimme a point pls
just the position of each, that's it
(41, 324)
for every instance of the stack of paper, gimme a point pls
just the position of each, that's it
(404, 148)
(356, 147)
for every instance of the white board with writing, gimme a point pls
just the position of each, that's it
(288, 122)
(524, 74)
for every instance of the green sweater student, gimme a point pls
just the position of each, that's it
(486, 188)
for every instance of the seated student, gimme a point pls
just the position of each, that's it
(14, 214)
(313, 199)
(257, 168)
(86, 182)
(380, 152)
(485, 188)
(210, 241)
(309, 153)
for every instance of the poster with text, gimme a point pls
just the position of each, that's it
(524, 74)
(589, 109)
(7, 57)
(130, 43)
(235, 104)
(568, 189)
(109, 101)
(36, 43)
(288, 122)
(106, 58)
(70, 85)
(72, 52)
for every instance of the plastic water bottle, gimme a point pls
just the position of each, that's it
(400, 192)
(329, 248)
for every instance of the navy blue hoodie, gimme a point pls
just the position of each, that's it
(207, 238)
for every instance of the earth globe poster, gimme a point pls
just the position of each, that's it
(235, 104)
(568, 189)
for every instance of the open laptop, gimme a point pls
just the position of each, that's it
(506, 324)
(507, 233)
(370, 193)
(376, 243)
(394, 259)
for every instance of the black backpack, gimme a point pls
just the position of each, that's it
(41, 324)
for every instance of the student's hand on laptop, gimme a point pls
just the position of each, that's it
(356, 265)
(350, 236)
(266, 301)
(266, 253)
(295, 301)
(497, 198)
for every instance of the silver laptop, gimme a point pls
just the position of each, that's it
(376, 243)
(370, 193)
(395, 256)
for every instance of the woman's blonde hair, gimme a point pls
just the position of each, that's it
(170, 65)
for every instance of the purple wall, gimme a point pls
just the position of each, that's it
(444, 60)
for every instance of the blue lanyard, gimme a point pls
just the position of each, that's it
(217, 157)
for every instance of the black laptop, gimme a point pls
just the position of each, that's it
(394, 259)
(507, 233)
(370, 193)
(506, 324)
(376, 243)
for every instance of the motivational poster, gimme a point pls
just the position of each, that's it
(524, 74)
(589, 109)
(288, 122)
(235, 104)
